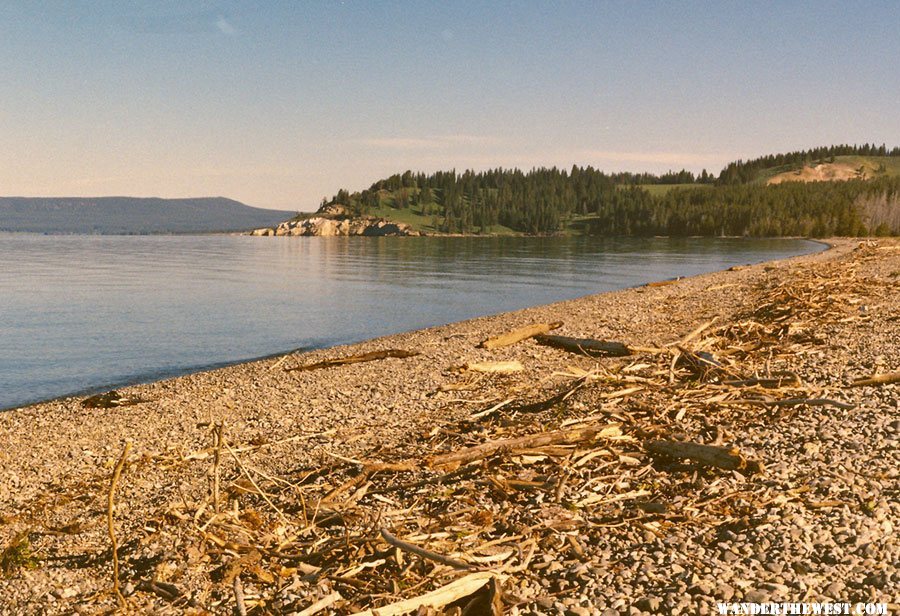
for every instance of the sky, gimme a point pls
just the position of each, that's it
(278, 104)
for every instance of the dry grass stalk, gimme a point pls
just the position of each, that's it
(218, 433)
(110, 512)
(252, 481)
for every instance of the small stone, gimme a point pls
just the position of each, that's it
(703, 587)
(877, 580)
(545, 602)
(756, 596)
(649, 604)
(774, 567)
(724, 592)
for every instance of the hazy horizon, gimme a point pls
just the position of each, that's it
(279, 105)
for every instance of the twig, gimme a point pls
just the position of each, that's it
(560, 437)
(491, 410)
(427, 554)
(811, 402)
(699, 330)
(252, 481)
(280, 361)
(238, 587)
(217, 456)
(110, 506)
(325, 602)
(355, 359)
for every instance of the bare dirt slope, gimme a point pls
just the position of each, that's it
(823, 172)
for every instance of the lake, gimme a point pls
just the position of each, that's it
(85, 313)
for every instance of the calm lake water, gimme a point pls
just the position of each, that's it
(84, 313)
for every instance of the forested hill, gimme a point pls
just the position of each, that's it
(586, 200)
(131, 215)
(764, 167)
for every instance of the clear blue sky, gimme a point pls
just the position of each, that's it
(280, 103)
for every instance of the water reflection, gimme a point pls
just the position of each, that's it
(81, 312)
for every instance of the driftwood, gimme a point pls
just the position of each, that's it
(494, 367)
(520, 334)
(427, 554)
(662, 283)
(585, 346)
(877, 379)
(787, 378)
(811, 402)
(452, 592)
(355, 359)
(109, 400)
(533, 441)
(728, 458)
(164, 590)
(323, 603)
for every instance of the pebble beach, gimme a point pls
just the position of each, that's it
(593, 525)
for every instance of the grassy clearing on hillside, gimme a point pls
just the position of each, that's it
(661, 189)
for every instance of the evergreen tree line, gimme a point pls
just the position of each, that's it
(742, 172)
(544, 201)
(817, 209)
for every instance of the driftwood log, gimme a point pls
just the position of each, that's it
(878, 379)
(355, 359)
(451, 593)
(728, 458)
(520, 334)
(494, 367)
(111, 399)
(585, 346)
(533, 441)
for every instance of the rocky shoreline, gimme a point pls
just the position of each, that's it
(328, 227)
(333, 219)
(759, 361)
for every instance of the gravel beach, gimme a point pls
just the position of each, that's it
(601, 525)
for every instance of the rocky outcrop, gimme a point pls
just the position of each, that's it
(331, 226)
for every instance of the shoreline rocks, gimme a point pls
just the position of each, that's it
(327, 226)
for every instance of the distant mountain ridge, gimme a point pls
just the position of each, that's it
(132, 215)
